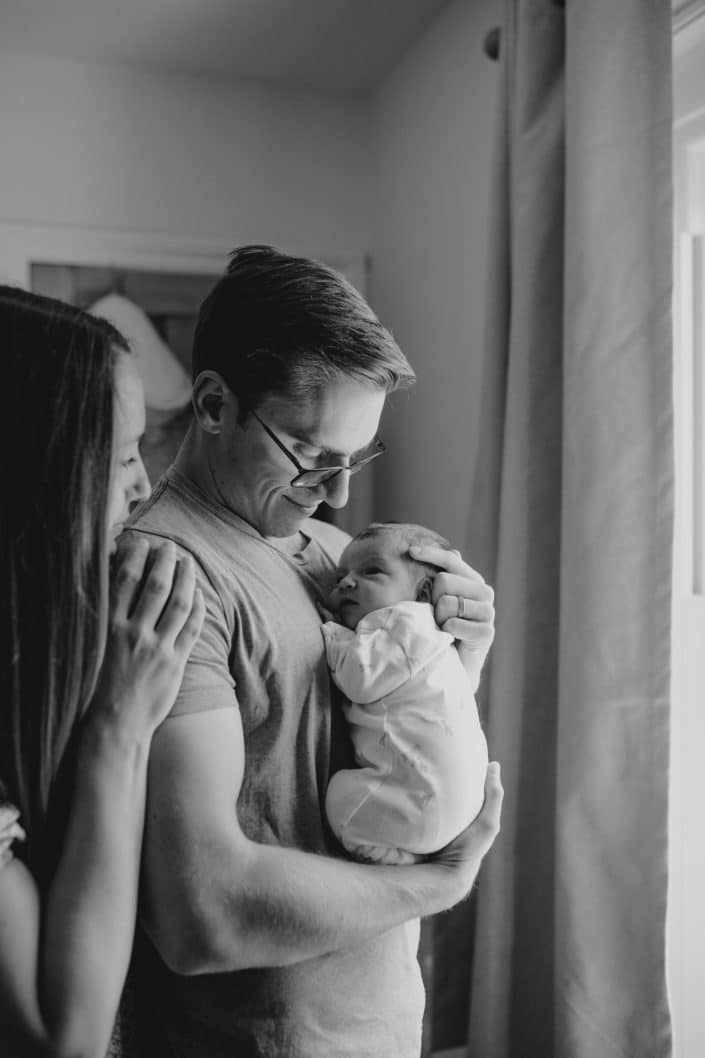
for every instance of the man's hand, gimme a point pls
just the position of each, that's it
(464, 605)
(466, 852)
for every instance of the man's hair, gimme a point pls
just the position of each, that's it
(275, 324)
(56, 421)
(407, 534)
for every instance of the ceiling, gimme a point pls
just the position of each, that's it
(342, 46)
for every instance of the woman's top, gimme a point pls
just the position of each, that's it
(10, 832)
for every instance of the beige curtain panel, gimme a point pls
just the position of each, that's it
(572, 515)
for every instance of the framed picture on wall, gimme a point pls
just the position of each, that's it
(156, 312)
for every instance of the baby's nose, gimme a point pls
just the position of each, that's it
(346, 582)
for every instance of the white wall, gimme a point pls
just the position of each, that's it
(433, 143)
(404, 175)
(86, 145)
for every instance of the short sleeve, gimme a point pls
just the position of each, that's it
(207, 682)
(10, 829)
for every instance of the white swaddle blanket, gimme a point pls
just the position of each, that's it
(421, 751)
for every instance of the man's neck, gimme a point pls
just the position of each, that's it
(193, 463)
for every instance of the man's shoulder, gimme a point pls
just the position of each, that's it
(172, 513)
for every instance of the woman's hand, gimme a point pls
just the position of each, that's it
(156, 615)
(463, 605)
(10, 831)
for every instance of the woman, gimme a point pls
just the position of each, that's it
(86, 673)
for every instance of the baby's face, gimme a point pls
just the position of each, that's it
(372, 573)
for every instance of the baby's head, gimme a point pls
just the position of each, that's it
(376, 570)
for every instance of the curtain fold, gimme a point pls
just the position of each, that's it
(572, 518)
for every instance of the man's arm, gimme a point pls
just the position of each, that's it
(215, 901)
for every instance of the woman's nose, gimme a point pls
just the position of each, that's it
(141, 486)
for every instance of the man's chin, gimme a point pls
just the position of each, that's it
(287, 519)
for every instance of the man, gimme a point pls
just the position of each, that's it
(270, 942)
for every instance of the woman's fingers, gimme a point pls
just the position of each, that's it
(156, 585)
(127, 570)
(180, 602)
(191, 629)
(155, 589)
(10, 829)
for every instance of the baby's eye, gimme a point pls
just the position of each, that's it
(370, 571)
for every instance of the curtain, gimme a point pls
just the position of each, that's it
(573, 511)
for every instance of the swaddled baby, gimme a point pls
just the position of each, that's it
(420, 749)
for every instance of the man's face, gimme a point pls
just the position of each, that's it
(254, 476)
(372, 573)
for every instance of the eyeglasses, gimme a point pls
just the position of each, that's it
(310, 477)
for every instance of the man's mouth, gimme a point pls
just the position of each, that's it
(307, 510)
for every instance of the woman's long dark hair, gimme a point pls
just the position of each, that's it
(56, 419)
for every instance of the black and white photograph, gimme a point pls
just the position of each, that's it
(352, 542)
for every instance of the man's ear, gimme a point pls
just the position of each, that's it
(210, 395)
(424, 591)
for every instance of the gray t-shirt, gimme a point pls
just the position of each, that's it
(262, 651)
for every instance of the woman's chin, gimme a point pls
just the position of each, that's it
(113, 535)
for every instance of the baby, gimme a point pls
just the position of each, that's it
(420, 750)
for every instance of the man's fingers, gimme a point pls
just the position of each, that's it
(452, 584)
(488, 821)
(451, 561)
(449, 607)
(478, 639)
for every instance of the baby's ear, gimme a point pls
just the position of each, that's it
(424, 592)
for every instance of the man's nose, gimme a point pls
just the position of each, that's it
(337, 489)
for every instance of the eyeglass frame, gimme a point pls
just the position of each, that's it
(330, 471)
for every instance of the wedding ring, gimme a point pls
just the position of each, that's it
(461, 606)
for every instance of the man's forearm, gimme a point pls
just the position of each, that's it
(287, 906)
